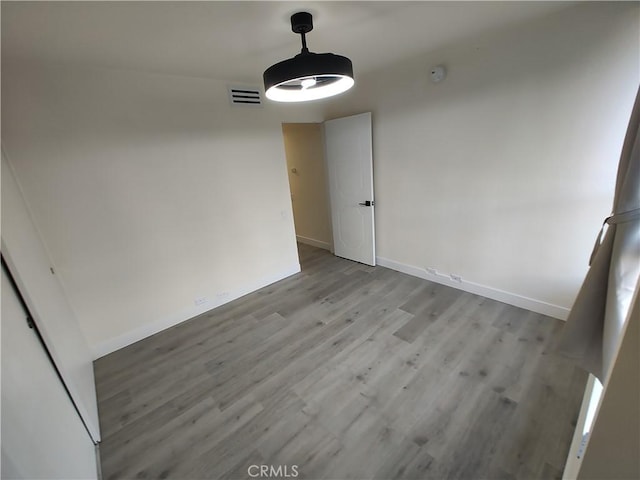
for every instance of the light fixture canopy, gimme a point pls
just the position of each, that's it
(307, 76)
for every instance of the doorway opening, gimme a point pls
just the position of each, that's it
(306, 167)
(330, 169)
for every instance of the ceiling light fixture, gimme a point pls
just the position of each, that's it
(307, 76)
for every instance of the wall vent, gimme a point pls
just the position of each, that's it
(246, 96)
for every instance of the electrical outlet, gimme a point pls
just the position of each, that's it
(455, 278)
(222, 295)
(200, 301)
(431, 270)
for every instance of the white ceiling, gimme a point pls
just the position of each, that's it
(236, 41)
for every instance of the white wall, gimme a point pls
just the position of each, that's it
(504, 172)
(150, 191)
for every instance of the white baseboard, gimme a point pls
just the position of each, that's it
(514, 299)
(108, 346)
(313, 242)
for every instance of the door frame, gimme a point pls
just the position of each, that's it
(372, 199)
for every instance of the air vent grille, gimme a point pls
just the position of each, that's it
(245, 96)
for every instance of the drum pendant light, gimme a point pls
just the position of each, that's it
(308, 75)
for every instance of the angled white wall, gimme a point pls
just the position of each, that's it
(503, 172)
(151, 191)
(29, 263)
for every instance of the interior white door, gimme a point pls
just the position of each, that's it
(43, 293)
(349, 155)
(42, 434)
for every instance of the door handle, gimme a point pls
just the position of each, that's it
(367, 203)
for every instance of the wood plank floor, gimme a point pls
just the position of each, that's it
(346, 372)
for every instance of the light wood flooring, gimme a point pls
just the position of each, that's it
(347, 372)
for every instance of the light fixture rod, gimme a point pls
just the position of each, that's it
(304, 43)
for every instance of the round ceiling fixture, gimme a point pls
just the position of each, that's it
(308, 75)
